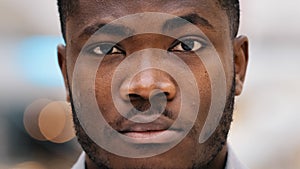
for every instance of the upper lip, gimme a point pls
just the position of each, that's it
(159, 124)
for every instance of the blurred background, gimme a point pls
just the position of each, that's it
(36, 130)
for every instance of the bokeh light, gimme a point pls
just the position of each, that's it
(55, 122)
(31, 118)
(47, 120)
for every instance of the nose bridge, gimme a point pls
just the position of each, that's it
(149, 79)
(146, 58)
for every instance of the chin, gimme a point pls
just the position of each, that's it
(187, 154)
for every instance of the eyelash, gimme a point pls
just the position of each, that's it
(180, 45)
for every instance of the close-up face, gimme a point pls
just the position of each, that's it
(163, 76)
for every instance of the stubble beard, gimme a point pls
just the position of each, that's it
(213, 145)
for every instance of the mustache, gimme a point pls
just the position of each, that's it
(165, 113)
(144, 110)
(147, 109)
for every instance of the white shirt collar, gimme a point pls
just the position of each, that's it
(80, 163)
(231, 163)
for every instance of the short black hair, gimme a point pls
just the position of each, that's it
(232, 7)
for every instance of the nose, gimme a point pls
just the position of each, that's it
(148, 83)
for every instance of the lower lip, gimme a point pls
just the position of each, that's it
(153, 137)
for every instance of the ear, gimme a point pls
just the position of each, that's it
(240, 47)
(61, 54)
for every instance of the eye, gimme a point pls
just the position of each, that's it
(187, 45)
(105, 49)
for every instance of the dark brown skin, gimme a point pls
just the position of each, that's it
(233, 54)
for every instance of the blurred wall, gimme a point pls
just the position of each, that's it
(265, 131)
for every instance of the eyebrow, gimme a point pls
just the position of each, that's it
(121, 30)
(186, 19)
(104, 28)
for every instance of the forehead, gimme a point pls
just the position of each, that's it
(120, 7)
(105, 11)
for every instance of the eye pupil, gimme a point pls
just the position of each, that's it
(188, 45)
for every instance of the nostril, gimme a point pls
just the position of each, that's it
(161, 95)
(139, 103)
(158, 95)
(134, 97)
(154, 95)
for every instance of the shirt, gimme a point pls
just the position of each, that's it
(231, 163)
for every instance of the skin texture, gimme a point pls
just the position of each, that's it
(188, 153)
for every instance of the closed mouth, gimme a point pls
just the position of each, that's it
(157, 131)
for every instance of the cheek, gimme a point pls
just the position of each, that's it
(204, 86)
(225, 52)
(103, 90)
(201, 75)
(213, 73)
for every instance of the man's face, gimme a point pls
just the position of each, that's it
(147, 80)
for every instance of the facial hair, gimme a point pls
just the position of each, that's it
(214, 144)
